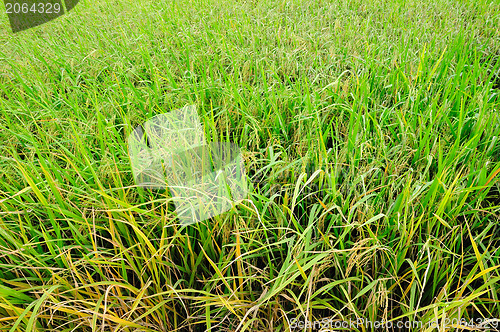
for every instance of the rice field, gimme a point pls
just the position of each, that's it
(370, 134)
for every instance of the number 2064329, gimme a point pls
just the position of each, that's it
(39, 8)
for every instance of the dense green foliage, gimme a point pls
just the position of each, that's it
(370, 131)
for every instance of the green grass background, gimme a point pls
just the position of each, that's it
(370, 131)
